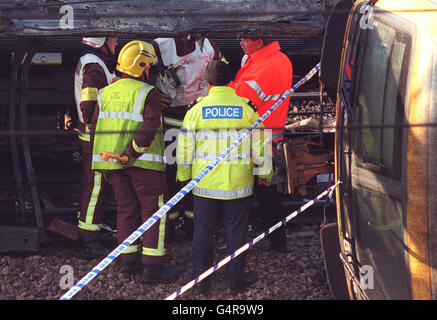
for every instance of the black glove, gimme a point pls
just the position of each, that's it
(182, 184)
(131, 159)
(165, 100)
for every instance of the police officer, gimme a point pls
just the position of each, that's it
(131, 110)
(93, 72)
(225, 192)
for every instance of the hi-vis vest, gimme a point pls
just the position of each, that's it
(121, 113)
(190, 70)
(78, 77)
(209, 127)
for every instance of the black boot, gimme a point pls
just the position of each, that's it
(158, 273)
(249, 278)
(91, 248)
(131, 268)
(188, 228)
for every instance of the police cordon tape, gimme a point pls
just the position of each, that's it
(251, 243)
(182, 193)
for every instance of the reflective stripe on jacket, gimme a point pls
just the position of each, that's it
(209, 127)
(121, 114)
(266, 74)
(79, 93)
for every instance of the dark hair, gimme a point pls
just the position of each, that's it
(218, 73)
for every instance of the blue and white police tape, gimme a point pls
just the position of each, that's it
(178, 196)
(249, 244)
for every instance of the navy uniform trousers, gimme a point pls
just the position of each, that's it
(234, 215)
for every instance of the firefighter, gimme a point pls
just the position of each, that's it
(224, 194)
(93, 72)
(265, 74)
(130, 109)
(179, 75)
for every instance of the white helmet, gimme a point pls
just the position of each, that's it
(94, 42)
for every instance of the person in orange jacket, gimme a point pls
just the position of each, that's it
(265, 74)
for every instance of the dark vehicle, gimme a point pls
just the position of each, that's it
(383, 245)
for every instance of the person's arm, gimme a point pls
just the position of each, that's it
(245, 89)
(245, 84)
(262, 152)
(185, 150)
(94, 79)
(157, 69)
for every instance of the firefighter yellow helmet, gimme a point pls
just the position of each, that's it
(135, 56)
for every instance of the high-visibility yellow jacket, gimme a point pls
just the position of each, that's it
(121, 113)
(211, 124)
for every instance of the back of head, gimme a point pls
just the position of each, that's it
(135, 56)
(218, 73)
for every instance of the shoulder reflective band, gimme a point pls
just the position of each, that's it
(251, 243)
(262, 96)
(178, 196)
(139, 100)
(89, 94)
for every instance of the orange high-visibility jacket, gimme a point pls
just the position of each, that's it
(262, 79)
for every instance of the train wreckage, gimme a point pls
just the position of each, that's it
(40, 43)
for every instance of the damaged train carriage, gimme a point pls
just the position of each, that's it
(40, 43)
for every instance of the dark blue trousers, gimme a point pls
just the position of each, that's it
(208, 214)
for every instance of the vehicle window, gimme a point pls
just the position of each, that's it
(381, 97)
(379, 108)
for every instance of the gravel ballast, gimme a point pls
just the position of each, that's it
(297, 275)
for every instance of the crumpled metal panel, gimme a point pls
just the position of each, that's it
(283, 18)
